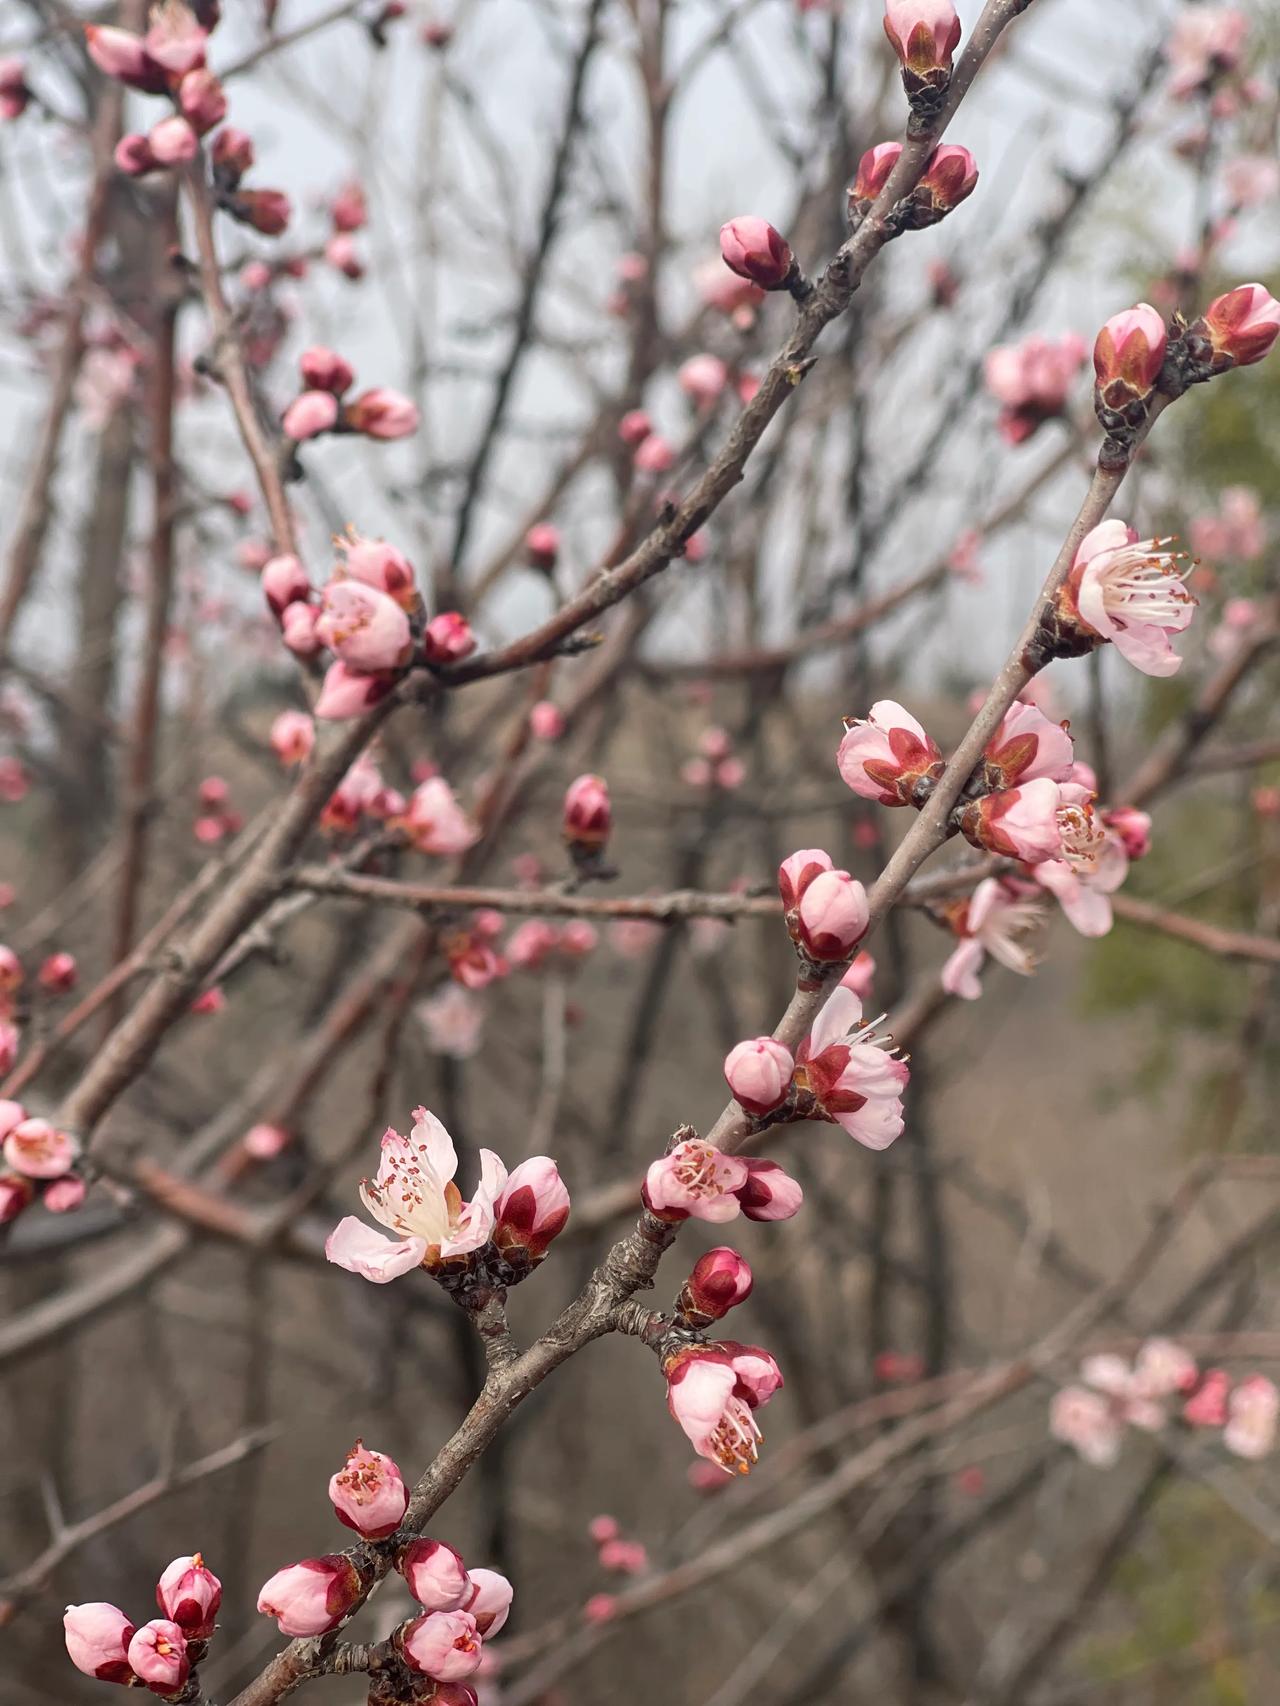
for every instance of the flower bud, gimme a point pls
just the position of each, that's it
(1207, 1405)
(16, 1193)
(347, 692)
(39, 1150)
(759, 1074)
(750, 247)
(309, 415)
(888, 757)
(65, 1195)
(825, 910)
(490, 1601)
(382, 413)
(98, 1637)
(350, 210)
(369, 1494)
(634, 427)
(158, 1656)
(14, 93)
(325, 370)
(122, 55)
(58, 973)
(719, 1282)
(172, 142)
(1239, 328)
(380, 565)
(293, 736)
(532, 1210)
(873, 173)
(768, 1193)
(1128, 354)
(443, 1644)
(949, 177)
(542, 543)
(284, 582)
(436, 1575)
(365, 628)
(546, 721)
(133, 156)
(702, 379)
(267, 211)
(654, 455)
(233, 154)
(588, 813)
(1019, 823)
(298, 629)
(923, 34)
(448, 638)
(312, 1597)
(202, 100)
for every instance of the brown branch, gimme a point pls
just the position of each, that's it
(1229, 944)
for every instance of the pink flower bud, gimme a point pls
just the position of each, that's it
(1128, 354)
(189, 1594)
(39, 1150)
(312, 413)
(382, 413)
(719, 1282)
(1207, 1405)
(1020, 823)
(888, 757)
(65, 1195)
(448, 638)
(436, 1575)
(653, 455)
(176, 40)
(266, 1140)
(443, 1644)
(532, 1210)
(172, 142)
(346, 692)
(58, 973)
(122, 55)
(578, 939)
(133, 156)
(435, 822)
(98, 1637)
(293, 735)
(233, 154)
(1133, 827)
(950, 174)
(601, 1607)
(603, 1528)
(1242, 325)
(546, 721)
(829, 916)
(768, 1193)
(158, 1656)
(923, 34)
(490, 1601)
(268, 211)
(298, 629)
(369, 1494)
(873, 171)
(343, 256)
(202, 100)
(312, 1597)
(284, 582)
(750, 247)
(350, 211)
(324, 370)
(380, 565)
(1025, 746)
(702, 379)
(11, 1114)
(588, 813)
(14, 93)
(759, 1074)
(634, 427)
(1252, 1413)
(542, 543)
(365, 628)
(16, 1193)
(11, 973)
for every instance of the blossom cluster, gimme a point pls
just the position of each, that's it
(38, 1158)
(159, 1654)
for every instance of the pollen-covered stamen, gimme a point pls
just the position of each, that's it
(1083, 838)
(1145, 581)
(697, 1169)
(736, 1439)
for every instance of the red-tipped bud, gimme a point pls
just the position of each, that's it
(233, 154)
(769, 1193)
(873, 171)
(1128, 354)
(634, 427)
(949, 176)
(825, 910)
(382, 413)
(158, 1656)
(588, 813)
(1241, 326)
(58, 973)
(325, 370)
(122, 55)
(309, 415)
(923, 34)
(312, 1597)
(350, 210)
(532, 1210)
(267, 211)
(284, 582)
(719, 1282)
(436, 1575)
(98, 1637)
(542, 544)
(750, 247)
(189, 1594)
(759, 1074)
(448, 638)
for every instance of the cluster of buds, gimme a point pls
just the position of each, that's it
(614, 1551)
(38, 1158)
(587, 822)
(924, 35)
(716, 764)
(462, 1609)
(495, 1240)
(537, 945)
(326, 378)
(949, 177)
(1114, 1395)
(825, 911)
(217, 817)
(268, 212)
(168, 60)
(348, 213)
(160, 1655)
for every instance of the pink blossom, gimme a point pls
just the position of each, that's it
(267, 211)
(588, 812)
(1207, 1405)
(158, 1656)
(759, 1074)
(825, 910)
(202, 100)
(1132, 1399)
(1128, 354)
(98, 1637)
(1205, 41)
(365, 628)
(312, 1597)
(325, 370)
(712, 1391)
(1019, 823)
(750, 247)
(634, 427)
(172, 142)
(923, 33)
(123, 55)
(347, 692)
(377, 564)
(1242, 325)
(600, 1608)
(950, 176)
(854, 1079)
(858, 978)
(14, 93)
(349, 209)
(448, 638)
(312, 413)
(58, 973)
(627, 1557)
(1130, 592)
(1032, 380)
(435, 822)
(888, 756)
(11, 1114)
(175, 40)
(533, 1208)
(546, 721)
(769, 1193)
(873, 172)
(542, 543)
(1133, 828)
(1252, 1412)
(368, 1493)
(1026, 746)
(266, 1140)
(702, 379)
(695, 1179)
(721, 1279)
(1085, 1421)
(454, 1021)
(65, 1195)
(442, 1644)
(997, 921)
(1162, 1368)
(298, 631)
(489, 1601)
(382, 413)
(654, 455)
(38, 1150)
(293, 736)
(436, 1575)
(343, 256)
(16, 1194)
(189, 1594)
(414, 1195)
(211, 1000)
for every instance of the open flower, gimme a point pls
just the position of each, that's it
(435, 822)
(854, 1079)
(1131, 592)
(368, 1493)
(1091, 866)
(366, 628)
(712, 1391)
(1252, 1411)
(695, 1179)
(414, 1195)
(995, 920)
(1085, 1421)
